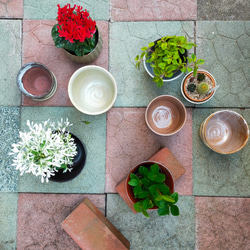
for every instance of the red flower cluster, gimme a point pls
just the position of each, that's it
(75, 23)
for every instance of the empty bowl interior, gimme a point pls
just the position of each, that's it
(165, 115)
(92, 90)
(226, 132)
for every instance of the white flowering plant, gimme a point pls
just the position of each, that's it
(45, 149)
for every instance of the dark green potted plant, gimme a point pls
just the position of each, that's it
(166, 58)
(150, 186)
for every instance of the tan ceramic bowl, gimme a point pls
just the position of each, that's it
(225, 132)
(92, 90)
(165, 115)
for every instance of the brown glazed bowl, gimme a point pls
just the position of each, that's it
(165, 115)
(169, 180)
(225, 132)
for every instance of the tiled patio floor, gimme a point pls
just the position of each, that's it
(214, 191)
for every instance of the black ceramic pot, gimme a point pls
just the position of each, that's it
(78, 163)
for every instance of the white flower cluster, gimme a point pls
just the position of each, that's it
(45, 149)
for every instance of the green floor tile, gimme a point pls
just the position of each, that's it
(10, 61)
(8, 220)
(226, 49)
(156, 232)
(47, 9)
(216, 174)
(9, 126)
(136, 87)
(93, 135)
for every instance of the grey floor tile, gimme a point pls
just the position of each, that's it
(226, 49)
(136, 87)
(10, 61)
(223, 10)
(8, 220)
(47, 9)
(154, 233)
(93, 135)
(216, 174)
(9, 126)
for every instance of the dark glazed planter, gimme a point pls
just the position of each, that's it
(90, 57)
(78, 164)
(169, 180)
(36, 81)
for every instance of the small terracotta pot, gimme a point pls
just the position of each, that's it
(90, 57)
(225, 132)
(36, 81)
(165, 115)
(169, 180)
(184, 89)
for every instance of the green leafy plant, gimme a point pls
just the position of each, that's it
(150, 188)
(168, 55)
(200, 77)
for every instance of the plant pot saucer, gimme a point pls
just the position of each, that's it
(189, 98)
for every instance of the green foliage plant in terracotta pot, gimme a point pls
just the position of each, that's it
(49, 151)
(150, 186)
(166, 59)
(77, 34)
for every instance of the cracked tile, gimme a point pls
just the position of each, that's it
(40, 216)
(8, 220)
(9, 133)
(215, 174)
(11, 8)
(135, 87)
(129, 141)
(10, 61)
(222, 223)
(167, 232)
(38, 46)
(129, 10)
(47, 9)
(93, 135)
(218, 43)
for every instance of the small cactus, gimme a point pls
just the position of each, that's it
(200, 77)
(191, 87)
(202, 88)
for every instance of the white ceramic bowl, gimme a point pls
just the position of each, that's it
(92, 90)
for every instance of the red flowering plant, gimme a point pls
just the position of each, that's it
(75, 30)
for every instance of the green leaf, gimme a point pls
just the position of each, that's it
(189, 69)
(134, 182)
(174, 210)
(86, 122)
(138, 206)
(164, 46)
(143, 195)
(144, 48)
(175, 196)
(145, 213)
(154, 168)
(142, 54)
(164, 189)
(147, 203)
(137, 190)
(143, 171)
(162, 65)
(145, 182)
(133, 176)
(200, 61)
(160, 177)
(163, 210)
(137, 58)
(151, 44)
(168, 198)
(193, 56)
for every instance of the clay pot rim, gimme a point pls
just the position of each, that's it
(190, 99)
(141, 164)
(185, 113)
(241, 117)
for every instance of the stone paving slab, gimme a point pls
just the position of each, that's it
(47, 9)
(38, 46)
(8, 220)
(135, 87)
(226, 49)
(10, 61)
(167, 232)
(223, 10)
(40, 217)
(9, 126)
(93, 135)
(11, 8)
(130, 10)
(222, 223)
(130, 141)
(216, 174)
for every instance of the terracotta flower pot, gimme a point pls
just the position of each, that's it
(169, 180)
(203, 98)
(225, 132)
(90, 57)
(36, 81)
(165, 115)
